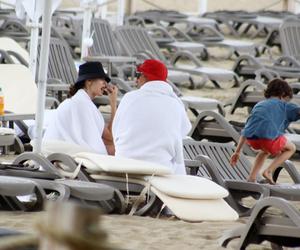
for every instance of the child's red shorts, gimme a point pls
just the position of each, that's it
(273, 147)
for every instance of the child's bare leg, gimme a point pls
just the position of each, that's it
(259, 161)
(288, 150)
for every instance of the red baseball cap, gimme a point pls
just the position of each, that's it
(153, 70)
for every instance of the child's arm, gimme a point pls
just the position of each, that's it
(236, 155)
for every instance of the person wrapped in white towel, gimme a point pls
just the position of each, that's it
(78, 120)
(151, 122)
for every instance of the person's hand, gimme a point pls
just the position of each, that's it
(234, 158)
(112, 91)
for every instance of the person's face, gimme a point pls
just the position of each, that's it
(96, 87)
(140, 79)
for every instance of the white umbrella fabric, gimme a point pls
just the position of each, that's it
(34, 10)
(86, 40)
(48, 8)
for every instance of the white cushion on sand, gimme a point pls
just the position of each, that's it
(187, 186)
(7, 131)
(107, 163)
(198, 210)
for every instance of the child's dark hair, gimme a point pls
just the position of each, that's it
(278, 88)
(74, 88)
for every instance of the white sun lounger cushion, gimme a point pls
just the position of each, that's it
(187, 187)
(107, 163)
(198, 210)
(7, 131)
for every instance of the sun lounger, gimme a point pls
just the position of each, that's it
(189, 198)
(288, 65)
(36, 168)
(174, 17)
(105, 45)
(224, 17)
(281, 230)
(14, 28)
(246, 65)
(61, 68)
(211, 37)
(251, 92)
(214, 127)
(236, 21)
(289, 33)
(213, 162)
(167, 41)
(136, 41)
(13, 187)
(70, 27)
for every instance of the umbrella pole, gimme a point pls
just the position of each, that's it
(87, 19)
(120, 13)
(34, 38)
(42, 76)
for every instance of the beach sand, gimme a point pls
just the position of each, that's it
(132, 232)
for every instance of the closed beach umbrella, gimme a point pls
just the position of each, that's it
(47, 8)
(86, 40)
(34, 10)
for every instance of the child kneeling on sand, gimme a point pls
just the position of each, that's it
(265, 128)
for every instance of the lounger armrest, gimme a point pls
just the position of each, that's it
(268, 73)
(248, 187)
(58, 87)
(4, 55)
(291, 169)
(197, 28)
(211, 168)
(287, 61)
(185, 54)
(51, 102)
(122, 84)
(192, 165)
(241, 92)
(40, 198)
(179, 33)
(144, 55)
(110, 59)
(16, 117)
(54, 81)
(164, 35)
(18, 57)
(123, 68)
(250, 60)
(295, 86)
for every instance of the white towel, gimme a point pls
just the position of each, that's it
(78, 121)
(150, 124)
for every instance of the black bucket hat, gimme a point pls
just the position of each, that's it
(91, 70)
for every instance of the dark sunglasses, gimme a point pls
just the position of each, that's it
(138, 74)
